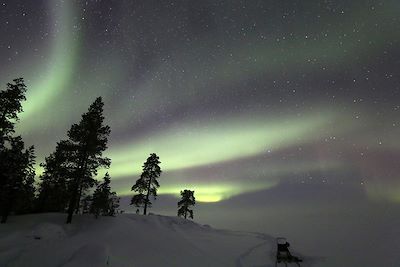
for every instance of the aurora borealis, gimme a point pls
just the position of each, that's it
(234, 96)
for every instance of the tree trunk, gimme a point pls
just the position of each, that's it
(72, 203)
(147, 197)
(4, 214)
(6, 205)
(79, 200)
(73, 199)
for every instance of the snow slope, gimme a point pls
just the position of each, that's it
(129, 240)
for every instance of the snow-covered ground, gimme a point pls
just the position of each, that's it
(130, 240)
(339, 226)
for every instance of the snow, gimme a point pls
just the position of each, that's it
(129, 240)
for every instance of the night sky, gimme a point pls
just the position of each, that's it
(236, 97)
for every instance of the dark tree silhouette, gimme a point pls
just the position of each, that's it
(104, 202)
(53, 190)
(16, 167)
(87, 141)
(10, 106)
(185, 203)
(147, 184)
(16, 163)
(26, 193)
(86, 203)
(138, 201)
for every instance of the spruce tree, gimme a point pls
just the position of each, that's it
(16, 163)
(104, 202)
(10, 106)
(26, 194)
(16, 167)
(88, 141)
(138, 201)
(147, 184)
(185, 203)
(53, 189)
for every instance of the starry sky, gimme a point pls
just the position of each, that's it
(234, 96)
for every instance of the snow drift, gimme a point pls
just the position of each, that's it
(128, 240)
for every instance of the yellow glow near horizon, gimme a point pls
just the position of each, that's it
(212, 192)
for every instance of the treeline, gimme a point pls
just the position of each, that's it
(68, 182)
(69, 172)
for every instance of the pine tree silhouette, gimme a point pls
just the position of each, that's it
(53, 190)
(138, 201)
(26, 194)
(17, 171)
(16, 163)
(10, 106)
(88, 141)
(104, 202)
(147, 184)
(186, 201)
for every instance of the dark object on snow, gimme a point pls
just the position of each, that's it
(283, 254)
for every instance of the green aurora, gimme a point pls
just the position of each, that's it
(156, 111)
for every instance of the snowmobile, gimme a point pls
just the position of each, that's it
(283, 254)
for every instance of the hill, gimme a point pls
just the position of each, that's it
(128, 240)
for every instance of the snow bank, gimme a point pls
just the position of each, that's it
(128, 240)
